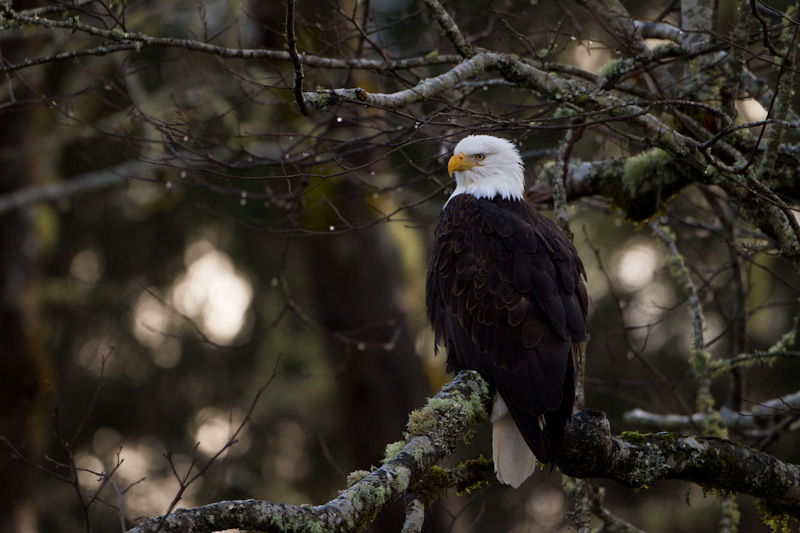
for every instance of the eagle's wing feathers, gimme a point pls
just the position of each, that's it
(505, 295)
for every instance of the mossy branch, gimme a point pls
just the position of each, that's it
(635, 460)
(639, 460)
(446, 420)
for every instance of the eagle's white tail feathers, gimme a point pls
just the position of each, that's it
(514, 462)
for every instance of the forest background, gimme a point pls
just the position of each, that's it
(215, 219)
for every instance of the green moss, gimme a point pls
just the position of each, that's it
(392, 449)
(436, 410)
(420, 422)
(633, 437)
(669, 438)
(643, 184)
(356, 476)
(464, 484)
(643, 166)
(439, 404)
(464, 478)
(432, 484)
(609, 68)
(730, 515)
(372, 496)
(777, 522)
(297, 522)
(561, 112)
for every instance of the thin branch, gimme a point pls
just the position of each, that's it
(291, 48)
(449, 28)
(681, 275)
(559, 180)
(761, 416)
(611, 523)
(124, 40)
(90, 181)
(185, 480)
(700, 358)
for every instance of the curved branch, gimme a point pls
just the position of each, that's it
(639, 460)
(578, 93)
(427, 88)
(449, 28)
(435, 431)
(123, 40)
(633, 459)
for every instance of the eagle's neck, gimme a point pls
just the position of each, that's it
(506, 181)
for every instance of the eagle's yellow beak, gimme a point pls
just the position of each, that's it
(459, 162)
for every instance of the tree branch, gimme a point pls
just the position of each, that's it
(427, 88)
(86, 182)
(633, 459)
(123, 40)
(639, 460)
(291, 48)
(761, 416)
(435, 431)
(449, 28)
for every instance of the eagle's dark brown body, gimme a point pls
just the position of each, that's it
(505, 295)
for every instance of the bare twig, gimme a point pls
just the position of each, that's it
(185, 481)
(611, 523)
(449, 28)
(291, 48)
(761, 416)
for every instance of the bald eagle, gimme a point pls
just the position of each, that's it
(505, 295)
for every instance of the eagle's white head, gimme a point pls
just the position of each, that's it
(487, 166)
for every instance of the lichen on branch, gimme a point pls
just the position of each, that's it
(633, 459)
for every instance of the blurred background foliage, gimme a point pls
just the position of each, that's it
(227, 239)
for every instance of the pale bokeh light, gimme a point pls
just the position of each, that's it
(634, 266)
(589, 56)
(151, 498)
(290, 462)
(87, 267)
(652, 43)
(106, 441)
(95, 355)
(137, 461)
(151, 320)
(751, 110)
(216, 427)
(546, 507)
(213, 292)
(650, 304)
(89, 466)
(133, 461)
(168, 354)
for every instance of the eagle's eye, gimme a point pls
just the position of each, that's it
(480, 157)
